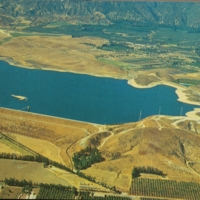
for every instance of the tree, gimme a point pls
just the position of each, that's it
(135, 173)
(74, 190)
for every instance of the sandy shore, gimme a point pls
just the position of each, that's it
(193, 114)
(14, 63)
(182, 96)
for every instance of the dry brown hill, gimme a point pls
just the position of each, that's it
(170, 144)
(157, 141)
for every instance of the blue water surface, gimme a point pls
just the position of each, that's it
(84, 97)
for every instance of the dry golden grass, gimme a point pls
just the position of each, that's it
(154, 141)
(28, 171)
(73, 179)
(111, 178)
(10, 192)
(147, 145)
(43, 147)
(9, 147)
(196, 167)
(60, 132)
(2, 36)
(62, 53)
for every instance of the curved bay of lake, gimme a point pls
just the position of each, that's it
(84, 97)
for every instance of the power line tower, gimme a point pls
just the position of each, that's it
(159, 110)
(140, 116)
(181, 112)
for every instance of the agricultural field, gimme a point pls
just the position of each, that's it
(10, 192)
(165, 189)
(29, 171)
(13, 192)
(88, 196)
(116, 51)
(120, 51)
(54, 193)
(147, 198)
(9, 147)
(42, 147)
(45, 135)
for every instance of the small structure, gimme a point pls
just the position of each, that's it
(32, 195)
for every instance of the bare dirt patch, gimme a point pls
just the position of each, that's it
(10, 192)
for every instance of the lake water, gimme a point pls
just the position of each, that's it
(83, 97)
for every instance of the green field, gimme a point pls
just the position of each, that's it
(165, 188)
(55, 193)
(115, 63)
(158, 47)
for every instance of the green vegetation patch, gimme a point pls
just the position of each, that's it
(147, 170)
(18, 34)
(47, 191)
(116, 47)
(115, 63)
(53, 191)
(143, 61)
(86, 157)
(27, 185)
(88, 196)
(5, 40)
(57, 24)
(165, 188)
(147, 198)
(188, 81)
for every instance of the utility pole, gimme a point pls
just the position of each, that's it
(159, 110)
(181, 111)
(140, 115)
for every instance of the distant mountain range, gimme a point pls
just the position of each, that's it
(37, 12)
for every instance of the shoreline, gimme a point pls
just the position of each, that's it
(2, 109)
(193, 114)
(182, 97)
(11, 62)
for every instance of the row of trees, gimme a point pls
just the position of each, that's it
(90, 196)
(82, 175)
(86, 157)
(16, 182)
(37, 158)
(54, 193)
(147, 170)
(27, 185)
(51, 190)
(163, 188)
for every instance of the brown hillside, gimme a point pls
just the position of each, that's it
(152, 142)
(170, 144)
